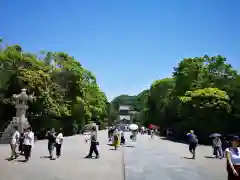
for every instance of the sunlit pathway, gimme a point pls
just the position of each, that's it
(161, 159)
(71, 166)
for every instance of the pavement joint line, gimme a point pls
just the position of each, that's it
(124, 165)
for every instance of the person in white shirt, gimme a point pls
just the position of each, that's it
(152, 133)
(233, 159)
(59, 141)
(28, 143)
(14, 143)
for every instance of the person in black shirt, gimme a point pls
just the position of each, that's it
(51, 141)
(21, 145)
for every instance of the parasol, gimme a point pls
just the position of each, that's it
(133, 127)
(215, 135)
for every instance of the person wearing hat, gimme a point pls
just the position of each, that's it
(193, 141)
(233, 159)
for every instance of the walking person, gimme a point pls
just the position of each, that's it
(14, 143)
(94, 144)
(116, 139)
(217, 145)
(193, 142)
(233, 159)
(214, 149)
(225, 145)
(21, 145)
(51, 142)
(152, 133)
(28, 143)
(123, 140)
(110, 133)
(59, 141)
(133, 137)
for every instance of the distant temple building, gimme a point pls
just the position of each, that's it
(125, 114)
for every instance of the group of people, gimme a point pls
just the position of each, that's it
(232, 153)
(55, 140)
(25, 142)
(116, 136)
(219, 147)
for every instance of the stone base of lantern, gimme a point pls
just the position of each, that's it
(9, 130)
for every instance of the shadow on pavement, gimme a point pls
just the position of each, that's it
(209, 157)
(131, 146)
(44, 157)
(8, 159)
(91, 158)
(190, 158)
(110, 144)
(22, 161)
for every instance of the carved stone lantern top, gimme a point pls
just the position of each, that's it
(23, 96)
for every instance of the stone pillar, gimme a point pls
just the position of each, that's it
(22, 119)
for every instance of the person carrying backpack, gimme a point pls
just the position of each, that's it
(193, 142)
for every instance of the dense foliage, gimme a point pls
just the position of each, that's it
(64, 90)
(203, 95)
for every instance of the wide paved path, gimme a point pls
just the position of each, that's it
(71, 166)
(153, 159)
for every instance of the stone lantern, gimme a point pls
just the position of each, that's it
(20, 120)
(21, 106)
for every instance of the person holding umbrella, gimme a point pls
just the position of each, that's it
(217, 145)
(133, 128)
(133, 137)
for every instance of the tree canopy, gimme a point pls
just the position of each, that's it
(62, 86)
(202, 95)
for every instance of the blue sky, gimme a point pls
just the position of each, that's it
(127, 44)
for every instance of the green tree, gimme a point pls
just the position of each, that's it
(204, 109)
(63, 88)
(202, 95)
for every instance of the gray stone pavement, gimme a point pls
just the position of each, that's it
(71, 166)
(153, 159)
